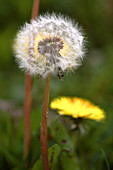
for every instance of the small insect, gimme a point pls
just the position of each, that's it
(60, 76)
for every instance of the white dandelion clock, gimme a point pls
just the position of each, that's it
(50, 44)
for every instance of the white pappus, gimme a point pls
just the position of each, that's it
(49, 44)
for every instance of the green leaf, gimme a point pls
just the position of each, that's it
(38, 165)
(61, 136)
(68, 163)
(53, 153)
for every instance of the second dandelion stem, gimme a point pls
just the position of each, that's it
(43, 136)
(27, 114)
(28, 97)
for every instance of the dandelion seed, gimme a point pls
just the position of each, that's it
(50, 44)
(77, 108)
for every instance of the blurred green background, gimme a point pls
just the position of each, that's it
(93, 80)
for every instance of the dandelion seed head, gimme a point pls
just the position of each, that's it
(50, 43)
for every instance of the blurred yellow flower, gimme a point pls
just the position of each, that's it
(77, 108)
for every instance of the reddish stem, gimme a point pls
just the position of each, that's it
(43, 136)
(27, 114)
(35, 9)
(28, 96)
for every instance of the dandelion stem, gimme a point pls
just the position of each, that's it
(28, 96)
(43, 136)
(27, 114)
(35, 9)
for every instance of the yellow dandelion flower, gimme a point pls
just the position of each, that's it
(77, 108)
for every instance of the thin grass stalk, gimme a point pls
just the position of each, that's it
(28, 97)
(43, 135)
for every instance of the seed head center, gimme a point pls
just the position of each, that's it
(50, 46)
